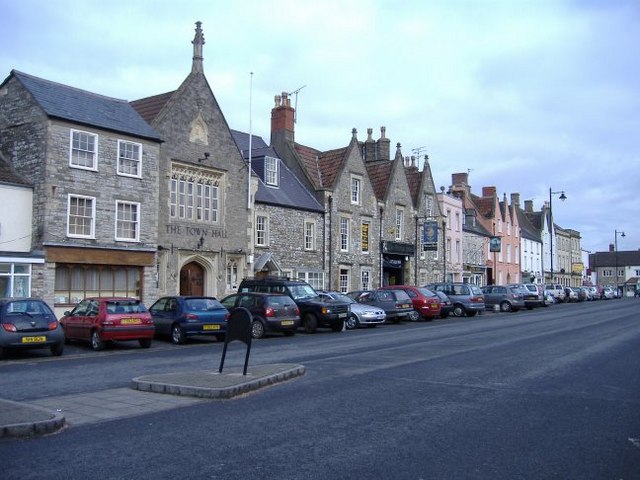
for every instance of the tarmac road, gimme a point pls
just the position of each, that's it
(551, 393)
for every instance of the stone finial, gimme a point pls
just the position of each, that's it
(198, 43)
(354, 133)
(369, 134)
(383, 132)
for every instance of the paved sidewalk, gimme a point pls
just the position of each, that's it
(149, 393)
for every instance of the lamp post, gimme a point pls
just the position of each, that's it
(562, 197)
(615, 244)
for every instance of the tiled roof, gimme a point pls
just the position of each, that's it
(311, 164)
(380, 175)
(290, 192)
(150, 107)
(611, 259)
(528, 230)
(80, 106)
(330, 163)
(9, 175)
(414, 178)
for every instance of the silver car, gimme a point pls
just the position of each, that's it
(361, 314)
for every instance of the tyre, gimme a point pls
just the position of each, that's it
(177, 335)
(505, 307)
(414, 316)
(57, 349)
(310, 323)
(458, 311)
(257, 329)
(97, 343)
(352, 322)
(145, 342)
(338, 326)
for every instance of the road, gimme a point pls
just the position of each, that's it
(545, 394)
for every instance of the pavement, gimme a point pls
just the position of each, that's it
(146, 394)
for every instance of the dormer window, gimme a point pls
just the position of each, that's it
(271, 171)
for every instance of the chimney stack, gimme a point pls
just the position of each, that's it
(488, 191)
(384, 145)
(515, 200)
(528, 206)
(282, 119)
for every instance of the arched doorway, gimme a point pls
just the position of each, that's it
(192, 279)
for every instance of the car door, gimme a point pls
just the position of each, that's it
(73, 321)
(163, 313)
(90, 320)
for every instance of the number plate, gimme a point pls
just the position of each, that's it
(342, 315)
(130, 321)
(211, 327)
(285, 323)
(33, 339)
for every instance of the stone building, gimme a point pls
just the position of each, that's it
(530, 244)
(93, 164)
(451, 207)
(205, 215)
(289, 221)
(430, 262)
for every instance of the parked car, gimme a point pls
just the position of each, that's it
(361, 314)
(596, 293)
(555, 290)
(531, 296)
(538, 290)
(425, 301)
(467, 298)
(179, 317)
(570, 294)
(608, 293)
(583, 294)
(314, 311)
(446, 307)
(508, 299)
(272, 312)
(102, 319)
(395, 303)
(29, 323)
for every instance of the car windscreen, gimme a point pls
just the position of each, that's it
(426, 292)
(201, 304)
(27, 307)
(299, 292)
(124, 306)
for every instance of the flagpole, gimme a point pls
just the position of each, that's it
(250, 145)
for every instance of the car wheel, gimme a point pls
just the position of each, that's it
(338, 326)
(458, 311)
(414, 316)
(57, 349)
(505, 307)
(177, 335)
(145, 342)
(96, 342)
(310, 323)
(352, 322)
(257, 329)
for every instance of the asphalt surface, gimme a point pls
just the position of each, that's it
(147, 393)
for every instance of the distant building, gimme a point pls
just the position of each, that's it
(619, 269)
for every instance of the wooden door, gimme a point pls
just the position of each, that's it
(192, 279)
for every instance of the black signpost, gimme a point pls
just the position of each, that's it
(238, 328)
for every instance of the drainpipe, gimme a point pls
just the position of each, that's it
(381, 258)
(330, 237)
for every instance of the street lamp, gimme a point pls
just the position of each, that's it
(615, 243)
(563, 197)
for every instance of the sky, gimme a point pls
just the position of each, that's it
(529, 96)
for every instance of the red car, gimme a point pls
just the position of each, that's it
(425, 302)
(99, 320)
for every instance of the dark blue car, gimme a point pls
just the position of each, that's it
(179, 317)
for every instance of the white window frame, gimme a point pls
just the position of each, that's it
(309, 235)
(197, 201)
(135, 223)
(92, 218)
(344, 234)
(262, 230)
(356, 190)
(365, 278)
(86, 152)
(271, 171)
(344, 278)
(125, 151)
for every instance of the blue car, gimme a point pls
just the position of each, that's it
(179, 317)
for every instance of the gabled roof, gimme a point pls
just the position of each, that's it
(611, 259)
(310, 158)
(380, 176)
(150, 107)
(9, 176)
(414, 179)
(527, 229)
(290, 192)
(86, 108)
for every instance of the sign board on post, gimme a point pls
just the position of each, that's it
(495, 244)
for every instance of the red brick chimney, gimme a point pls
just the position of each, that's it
(488, 191)
(282, 118)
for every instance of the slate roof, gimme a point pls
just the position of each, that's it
(9, 176)
(290, 193)
(477, 229)
(528, 230)
(86, 108)
(611, 259)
